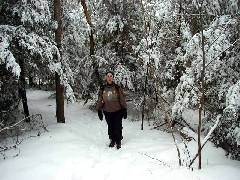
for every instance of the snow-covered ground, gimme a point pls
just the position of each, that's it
(77, 150)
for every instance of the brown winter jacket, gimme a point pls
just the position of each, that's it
(111, 99)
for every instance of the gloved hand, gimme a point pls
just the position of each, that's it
(100, 115)
(124, 113)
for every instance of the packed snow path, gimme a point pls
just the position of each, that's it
(77, 150)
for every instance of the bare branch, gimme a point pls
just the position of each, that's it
(161, 162)
(20, 131)
(223, 51)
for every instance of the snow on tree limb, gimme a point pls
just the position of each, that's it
(211, 131)
(6, 56)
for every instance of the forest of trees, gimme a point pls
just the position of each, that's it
(173, 55)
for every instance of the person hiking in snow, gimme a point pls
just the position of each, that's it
(112, 104)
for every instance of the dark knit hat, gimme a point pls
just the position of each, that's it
(110, 73)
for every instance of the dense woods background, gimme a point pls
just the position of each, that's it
(172, 55)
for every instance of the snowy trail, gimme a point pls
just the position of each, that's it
(77, 150)
(83, 142)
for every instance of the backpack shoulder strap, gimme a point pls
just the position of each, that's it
(101, 89)
(117, 87)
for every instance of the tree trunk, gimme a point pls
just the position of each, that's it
(22, 88)
(59, 100)
(178, 43)
(91, 43)
(86, 12)
(30, 77)
(144, 97)
(91, 39)
(59, 86)
(201, 105)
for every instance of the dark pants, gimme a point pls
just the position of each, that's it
(114, 121)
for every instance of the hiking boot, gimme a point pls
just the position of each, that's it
(118, 144)
(112, 143)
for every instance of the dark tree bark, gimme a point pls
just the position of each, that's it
(59, 100)
(59, 86)
(22, 88)
(86, 12)
(202, 88)
(144, 97)
(30, 77)
(91, 39)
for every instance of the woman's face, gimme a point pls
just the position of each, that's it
(109, 78)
